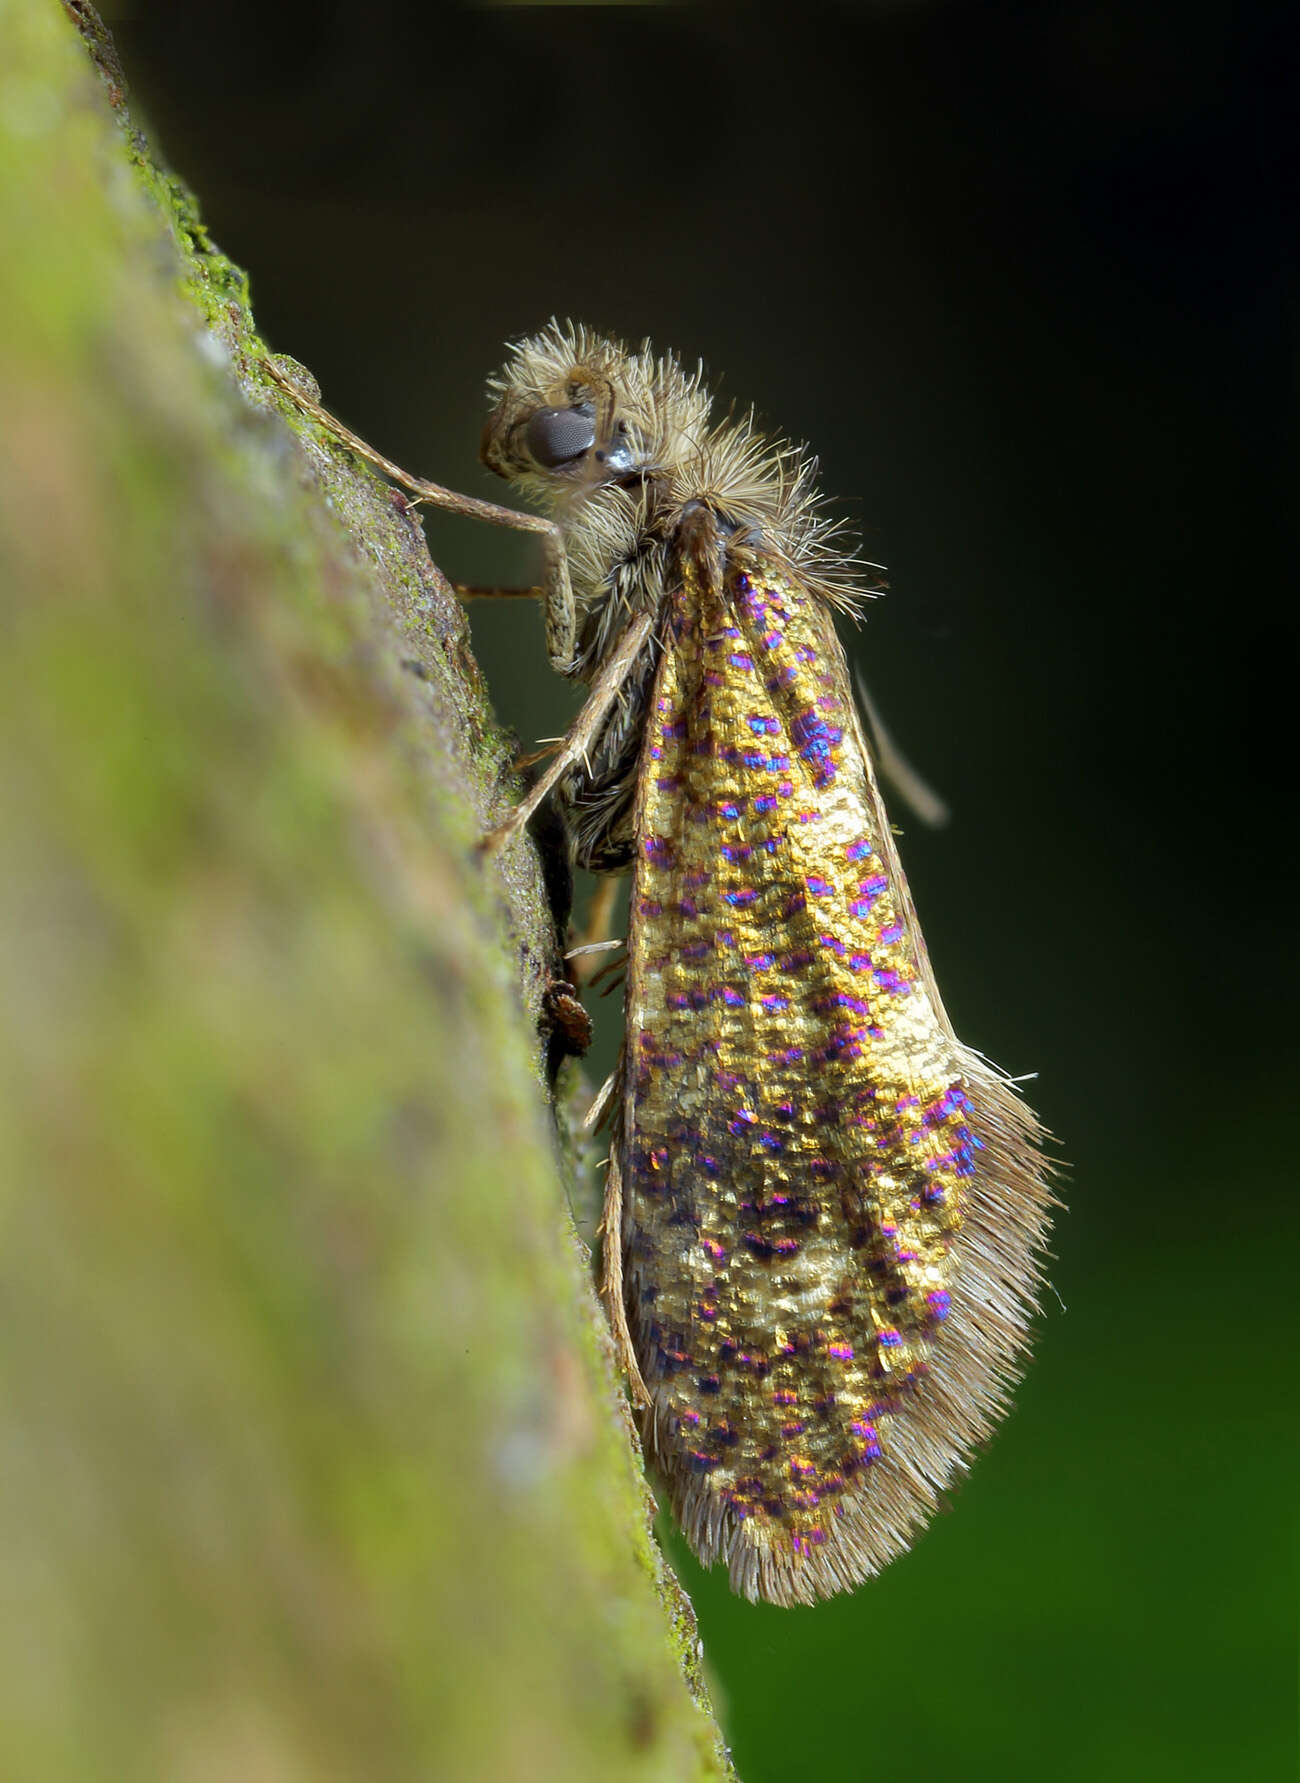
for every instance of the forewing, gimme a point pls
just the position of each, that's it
(831, 1209)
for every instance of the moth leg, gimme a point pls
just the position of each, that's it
(611, 1287)
(534, 756)
(600, 1106)
(557, 589)
(478, 591)
(583, 732)
(596, 930)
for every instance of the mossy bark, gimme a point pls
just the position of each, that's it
(314, 1461)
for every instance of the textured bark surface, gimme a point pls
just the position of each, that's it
(314, 1461)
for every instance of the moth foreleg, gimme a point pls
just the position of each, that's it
(481, 591)
(556, 591)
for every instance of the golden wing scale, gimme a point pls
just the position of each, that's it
(824, 1215)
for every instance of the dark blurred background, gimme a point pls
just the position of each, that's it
(1021, 274)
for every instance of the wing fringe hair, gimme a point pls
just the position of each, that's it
(976, 1366)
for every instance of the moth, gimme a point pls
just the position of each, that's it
(824, 1215)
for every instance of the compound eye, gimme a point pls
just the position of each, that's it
(558, 436)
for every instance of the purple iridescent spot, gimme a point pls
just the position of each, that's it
(857, 851)
(840, 1352)
(743, 583)
(741, 899)
(870, 1440)
(765, 803)
(658, 849)
(731, 998)
(669, 783)
(892, 931)
(650, 907)
(739, 659)
(820, 888)
(763, 724)
(774, 1001)
(889, 1339)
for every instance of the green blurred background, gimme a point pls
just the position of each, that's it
(1022, 275)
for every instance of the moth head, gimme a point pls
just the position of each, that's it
(575, 411)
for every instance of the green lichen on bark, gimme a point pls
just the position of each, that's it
(315, 1463)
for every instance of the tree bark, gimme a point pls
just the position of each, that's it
(315, 1461)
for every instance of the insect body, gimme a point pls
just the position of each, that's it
(824, 1214)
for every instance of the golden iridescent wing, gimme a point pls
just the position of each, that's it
(831, 1210)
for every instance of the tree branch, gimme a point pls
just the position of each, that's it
(316, 1463)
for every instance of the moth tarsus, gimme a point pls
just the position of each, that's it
(824, 1215)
